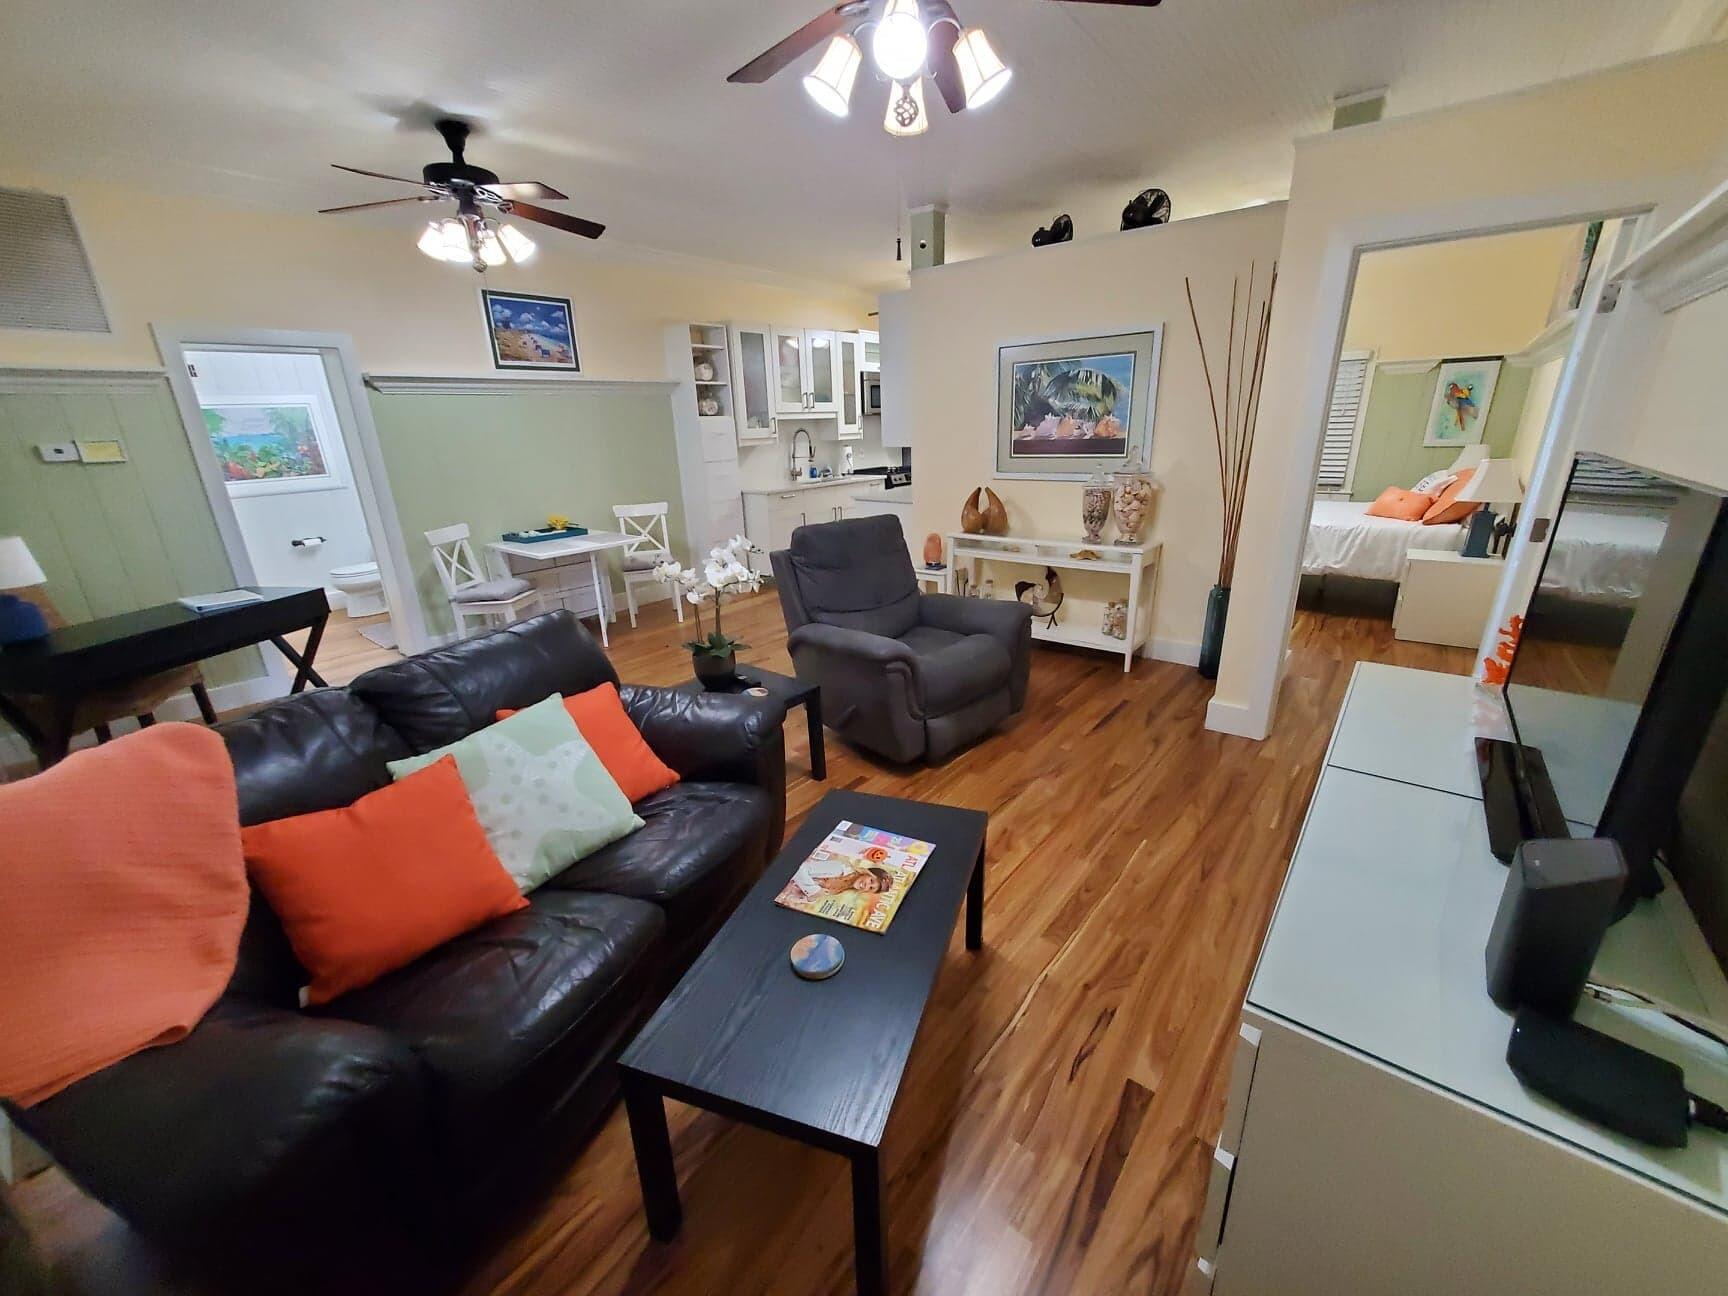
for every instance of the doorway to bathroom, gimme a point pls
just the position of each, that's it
(280, 437)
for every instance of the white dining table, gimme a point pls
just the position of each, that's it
(594, 544)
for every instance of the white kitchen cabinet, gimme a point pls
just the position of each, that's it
(869, 351)
(806, 371)
(753, 383)
(771, 516)
(849, 426)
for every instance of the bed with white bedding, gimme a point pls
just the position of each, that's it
(1344, 541)
(1601, 555)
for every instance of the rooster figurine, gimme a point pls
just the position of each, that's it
(1044, 597)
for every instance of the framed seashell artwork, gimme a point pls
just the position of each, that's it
(1066, 410)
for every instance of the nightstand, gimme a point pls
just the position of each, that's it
(1445, 598)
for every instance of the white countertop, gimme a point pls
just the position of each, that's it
(809, 483)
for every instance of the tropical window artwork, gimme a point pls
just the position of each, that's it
(1065, 409)
(267, 445)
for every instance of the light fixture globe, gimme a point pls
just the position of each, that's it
(906, 114)
(899, 43)
(517, 245)
(830, 85)
(446, 240)
(983, 75)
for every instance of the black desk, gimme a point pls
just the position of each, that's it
(816, 1061)
(76, 660)
(791, 692)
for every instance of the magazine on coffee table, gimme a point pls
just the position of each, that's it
(857, 876)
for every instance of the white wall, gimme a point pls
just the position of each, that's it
(943, 334)
(269, 522)
(1626, 138)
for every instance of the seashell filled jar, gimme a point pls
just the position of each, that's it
(1095, 508)
(1131, 495)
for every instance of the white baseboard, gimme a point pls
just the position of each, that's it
(1233, 718)
(1179, 651)
(224, 697)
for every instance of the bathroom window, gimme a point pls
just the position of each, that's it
(271, 444)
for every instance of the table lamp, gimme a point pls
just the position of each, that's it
(20, 619)
(1495, 481)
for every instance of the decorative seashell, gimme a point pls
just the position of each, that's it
(1068, 428)
(1109, 426)
(1047, 430)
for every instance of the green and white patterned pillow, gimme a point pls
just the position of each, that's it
(540, 792)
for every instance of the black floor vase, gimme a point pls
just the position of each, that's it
(1212, 637)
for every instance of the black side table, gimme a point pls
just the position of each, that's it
(791, 692)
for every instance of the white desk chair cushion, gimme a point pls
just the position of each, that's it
(492, 591)
(645, 525)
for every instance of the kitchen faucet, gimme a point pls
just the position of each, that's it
(809, 451)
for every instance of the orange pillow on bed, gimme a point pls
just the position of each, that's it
(1401, 505)
(600, 715)
(1449, 508)
(369, 888)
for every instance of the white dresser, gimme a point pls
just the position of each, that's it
(1374, 1140)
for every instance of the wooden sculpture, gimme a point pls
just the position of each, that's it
(983, 513)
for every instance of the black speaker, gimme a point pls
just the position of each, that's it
(1559, 901)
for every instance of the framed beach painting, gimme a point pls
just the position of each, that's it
(528, 331)
(1462, 393)
(1066, 409)
(270, 445)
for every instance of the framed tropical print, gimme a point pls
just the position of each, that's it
(530, 332)
(268, 445)
(1462, 394)
(1066, 409)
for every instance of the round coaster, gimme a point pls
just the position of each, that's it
(816, 958)
(758, 691)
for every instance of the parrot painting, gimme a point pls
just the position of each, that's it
(1461, 397)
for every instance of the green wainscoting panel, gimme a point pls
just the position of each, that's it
(1390, 451)
(112, 537)
(503, 461)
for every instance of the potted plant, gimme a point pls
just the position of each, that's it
(714, 653)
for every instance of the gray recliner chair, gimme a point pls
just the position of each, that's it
(906, 675)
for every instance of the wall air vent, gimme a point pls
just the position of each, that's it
(45, 278)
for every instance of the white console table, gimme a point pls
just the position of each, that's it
(1134, 565)
(1374, 1140)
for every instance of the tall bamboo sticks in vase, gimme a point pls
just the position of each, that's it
(1234, 420)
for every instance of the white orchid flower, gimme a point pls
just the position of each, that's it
(669, 571)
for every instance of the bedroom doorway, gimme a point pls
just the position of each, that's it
(1453, 354)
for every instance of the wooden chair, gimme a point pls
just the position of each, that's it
(470, 593)
(98, 711)
(645, 525)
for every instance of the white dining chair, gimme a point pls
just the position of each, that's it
(645, 525)
(470, 592)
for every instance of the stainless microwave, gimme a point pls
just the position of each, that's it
(870, 395)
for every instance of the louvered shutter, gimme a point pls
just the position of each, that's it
(45, 278)
(1343, 421)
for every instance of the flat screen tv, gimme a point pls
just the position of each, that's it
(1621, 667)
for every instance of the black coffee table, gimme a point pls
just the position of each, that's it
(791, 692)
(816, 1061)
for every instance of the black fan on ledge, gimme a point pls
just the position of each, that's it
(474, 235)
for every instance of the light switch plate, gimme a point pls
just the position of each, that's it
(57, 452)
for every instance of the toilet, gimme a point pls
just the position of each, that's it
(363, 587)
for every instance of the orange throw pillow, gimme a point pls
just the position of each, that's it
(1449, 508)
(1401, 505)
(600, 715)
(369, 888)
(122, 896)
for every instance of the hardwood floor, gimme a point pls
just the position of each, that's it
(1052, 1130)
(344, 652)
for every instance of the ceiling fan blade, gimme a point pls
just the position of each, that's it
(828, 23)
(387, 202)
(943, 69)
(556, 219)
(377, 175)
(526, 189)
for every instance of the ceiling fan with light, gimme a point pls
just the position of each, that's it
(473, 236)
(907, 38)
